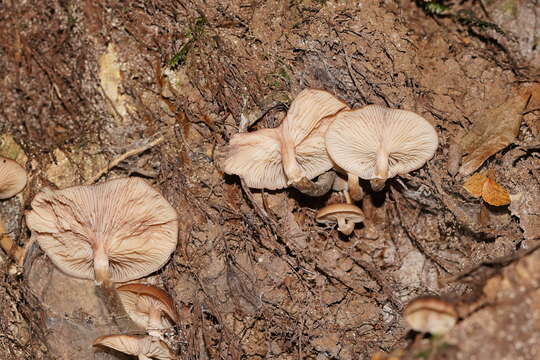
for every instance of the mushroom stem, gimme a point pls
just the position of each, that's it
(381, 164)
(353, 184)
(154, 323)
(345, 227)
(347, 197)
(288, 157)
(377, 184)
(319, 188)
(101, 265)
(8, 245)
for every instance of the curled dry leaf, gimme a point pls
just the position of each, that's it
(481, 185)
(493, 131)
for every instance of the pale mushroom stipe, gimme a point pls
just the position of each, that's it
(291, 154)
(115, 231)
(376, 143)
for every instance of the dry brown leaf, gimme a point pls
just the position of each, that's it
(475, 184)
(480, 185)
(493, 131)
(494, 194)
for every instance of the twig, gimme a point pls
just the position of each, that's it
(123, 157)
(417, 244)
(499, 262)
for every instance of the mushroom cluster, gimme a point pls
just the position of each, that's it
(321, 133)
(114, 232)
(122, 230)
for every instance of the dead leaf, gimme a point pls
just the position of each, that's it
(494, 194)
(493, 131)
(480, 185)
(475, 184)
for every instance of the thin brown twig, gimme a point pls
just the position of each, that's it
(499, 262)
(123, 157)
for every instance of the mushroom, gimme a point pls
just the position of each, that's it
(12, 178)
(146, 304)
(12, 181)
(346, 215)
(292, 154)
(377, 143)
(145, 347)
(116, 231)
(430, 314)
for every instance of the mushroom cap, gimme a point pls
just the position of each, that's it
(148, 346)
(356, 138)
(12, 178)
(303, 148)
(257, 157)
(306, 111)
(127, 218)
(430, 314)
(139, 300)
(331, 213)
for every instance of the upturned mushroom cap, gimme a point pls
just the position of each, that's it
(303, 145)
(430, 314)
(146, 304)
(256, 158)
(145, 347)
(345, 215)
(275, 158)
(375, 142)
(12, 178)
(120, 230)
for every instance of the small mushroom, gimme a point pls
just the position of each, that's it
(345, 215)
(430, 314)
(144, 347)
(376, 143)
(150, 307)
(292, 154)
(12, 178)
(116, 231)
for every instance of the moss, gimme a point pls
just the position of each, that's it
(193, 34)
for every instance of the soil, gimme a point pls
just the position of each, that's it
(98, 90)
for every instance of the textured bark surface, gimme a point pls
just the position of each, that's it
(97, 90)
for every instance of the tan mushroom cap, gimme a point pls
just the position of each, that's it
(256, 158)
(145, 347)
(145, 304)
(274, 158)
(345, 215)
(303, 145)
(375, 142)
(430, 314)
(12, 178)
(117, 231)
